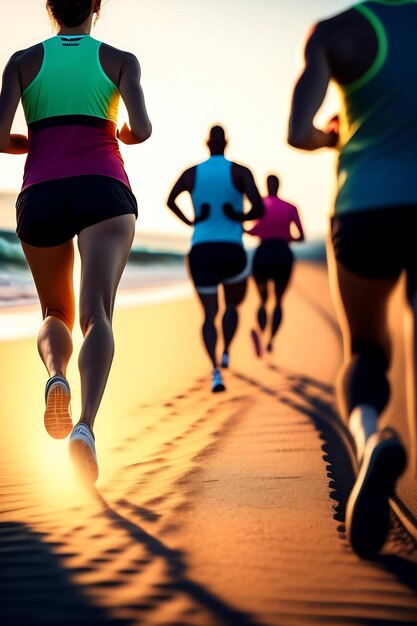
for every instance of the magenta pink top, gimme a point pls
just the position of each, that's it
(59, 150)
(275, 223)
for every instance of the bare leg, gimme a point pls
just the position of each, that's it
(52, 270)
(281, 280)
(104, 250)
(211, 307)
(233, 295)
(261, 314)
(410, 335)
(362, 309)
(361, 306)
(280, 286)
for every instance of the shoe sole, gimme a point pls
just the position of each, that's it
(368, 511)
(84, 460)
(57, 418)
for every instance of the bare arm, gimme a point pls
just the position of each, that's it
(9, 100)
(253, 196)
(308, 95)
(297, 222)
(182, 184)
(254, 230)
(131, 91)
(248, 186)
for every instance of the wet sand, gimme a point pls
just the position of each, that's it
(210, 509)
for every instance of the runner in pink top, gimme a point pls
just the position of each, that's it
(273, 258)
(276, 221)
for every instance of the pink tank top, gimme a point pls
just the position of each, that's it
(275, 223)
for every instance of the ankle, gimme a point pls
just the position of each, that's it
(87, 423)
(363, 423)
(57, 372)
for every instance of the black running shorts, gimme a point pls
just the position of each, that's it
(377, 243)
(213, 263)
(53, 212)
(272, 260)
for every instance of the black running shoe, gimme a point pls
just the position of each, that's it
(367, 512)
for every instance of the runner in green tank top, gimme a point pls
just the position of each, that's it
(370, 52)
(74, 185)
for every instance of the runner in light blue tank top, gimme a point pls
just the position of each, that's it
(370, 51)
(217, 256)
(214, 185)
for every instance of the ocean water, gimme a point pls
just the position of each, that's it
(156, 260)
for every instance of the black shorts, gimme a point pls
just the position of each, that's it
(272, 260)
(377, 243)
(53, 212)
(214, 263)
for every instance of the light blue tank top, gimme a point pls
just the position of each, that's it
(378, 160)
(213, 184)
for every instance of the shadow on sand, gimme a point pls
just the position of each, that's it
(316, 400)
(36, 587)
(176, 568)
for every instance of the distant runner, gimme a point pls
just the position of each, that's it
(370, 51)
(273, 259)
(217, 255)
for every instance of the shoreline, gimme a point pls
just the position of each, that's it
(22, 321)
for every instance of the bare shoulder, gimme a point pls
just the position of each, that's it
(26, 63)
(27, 55)
(241, 170)
(348, 41)
(326, 31)
(188, 177)
(185, 181)
(123, 57)
(338, 23)
(242, 177)
(115, 62)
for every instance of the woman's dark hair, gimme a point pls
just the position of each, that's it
(71, 13)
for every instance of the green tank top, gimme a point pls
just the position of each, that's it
(59, 90)
(378, 158)
(71, 111)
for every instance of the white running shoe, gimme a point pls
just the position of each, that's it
(83, 451)
(217, 382)
(57, 418)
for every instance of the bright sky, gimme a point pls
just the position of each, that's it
(203, 62)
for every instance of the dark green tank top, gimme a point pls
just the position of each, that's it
(378, 159)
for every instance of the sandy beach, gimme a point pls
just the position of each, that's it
(210, 509)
